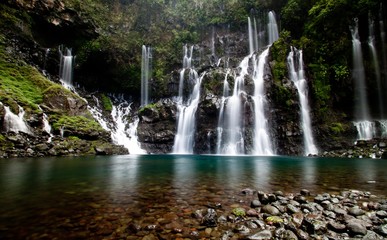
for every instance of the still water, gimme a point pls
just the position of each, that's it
(52, 195)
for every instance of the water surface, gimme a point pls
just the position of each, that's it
(68, 195)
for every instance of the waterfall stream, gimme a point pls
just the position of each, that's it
(146, 65)
(272, 28)
(66, 68)
(262, 142)
(15, 123)
(362, 114)
(297, 75)
(120, 134)
(187, 105)
(375, 61)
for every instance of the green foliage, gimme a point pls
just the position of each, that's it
(322, 89)
(279, 52)
(337, 128)
(106, 103)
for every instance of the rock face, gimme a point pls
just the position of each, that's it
(56, 23)
(157, 127)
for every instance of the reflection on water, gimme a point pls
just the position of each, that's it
(60, 189)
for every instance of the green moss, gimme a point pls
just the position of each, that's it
(274, 220)
(106, 103)
(76, 123)
(151, 106)
(239, 212)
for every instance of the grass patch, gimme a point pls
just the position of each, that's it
(77, 123)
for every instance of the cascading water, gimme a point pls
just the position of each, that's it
(362, 115)
(146, 67)
(272, 28)
(122, 136)
(119, 133)
(297, 75)
(15, 123)
(253, 35)
(219, 130)
(262, 142)
(232, 139)
(186, 124)
(231, 129)
(66, 68)
(375, 60)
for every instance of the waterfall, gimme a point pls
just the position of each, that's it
(297, 75)
(185, 135)
(146, 67)
(365, 130)
(120, 135)
(187, 106)
(118, 127)
(66, 68)
(47, 51)
(253, 35)
(375, 60)
(262, 141)
(232, 139)
(15, 123)
(272, 28)
(362, 115)
(383, 126)
(219, 130)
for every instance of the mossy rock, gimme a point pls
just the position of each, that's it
(274, 220)
(79, 126)
(239, 212)
(60, 100)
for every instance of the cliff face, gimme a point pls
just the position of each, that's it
(107, 39)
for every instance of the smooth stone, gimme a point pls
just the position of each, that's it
(269, 209)
(382, 230)
(265, 234)
(255, 203)
(356, 227)
(356, 211)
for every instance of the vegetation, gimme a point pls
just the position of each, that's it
(106, 103)
(77, 124)
(20, 83)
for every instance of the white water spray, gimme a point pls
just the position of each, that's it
(15, 123)
(120, 134)
(297, 75)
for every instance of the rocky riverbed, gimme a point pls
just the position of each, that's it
(248, 214)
